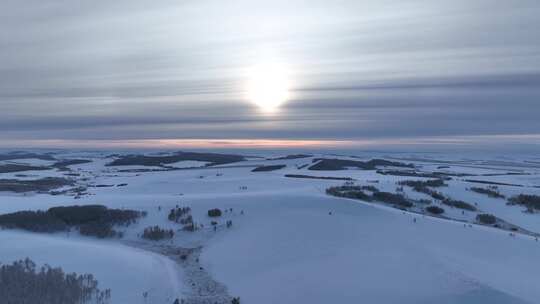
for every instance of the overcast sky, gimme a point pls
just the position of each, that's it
(358, 70)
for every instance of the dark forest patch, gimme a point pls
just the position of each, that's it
(143, 160)
(40, 185)
(327, 164)
(63, 164)
(9, 168)
(23, 282)
(487, 191)
(318, 177)
(531, 202)
(268, 168)
(413, 173)
(292, 156)
(491, 183)
(92, 220)
(25, 155)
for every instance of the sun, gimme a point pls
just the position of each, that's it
(268, 86)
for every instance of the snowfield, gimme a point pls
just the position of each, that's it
(127, 271)
(290, 242)
(300, 254)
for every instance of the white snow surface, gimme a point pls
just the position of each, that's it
(126, 271)
(295, 244)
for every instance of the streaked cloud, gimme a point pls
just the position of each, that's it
(361, 71)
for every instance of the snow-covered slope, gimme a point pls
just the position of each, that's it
(127, 271)
(291, 250)
(292, 243)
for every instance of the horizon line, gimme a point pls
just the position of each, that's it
(240, 143)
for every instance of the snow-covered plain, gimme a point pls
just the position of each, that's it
(293, 243)
(127, 271)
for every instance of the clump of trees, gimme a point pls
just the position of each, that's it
(9, 168)
(191, 227)
(328, 164)
(356, 192)
(214, 212)
(487, 219)
(531, 202)
(176, 214)
(349, 191)
(91, 220)
(235, 300)
(458, 204)
(317, 177)
(491, 192)
(182, 215)
(155, 233)
(392, 198)
(40, 185)
(370, 188)
(23, 283)
(413, 173)
(418, 184)
(268, 168)
(435, 210)
(100, 230)
(434, 194)
(422, 187)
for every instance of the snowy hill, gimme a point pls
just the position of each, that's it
(289, 241)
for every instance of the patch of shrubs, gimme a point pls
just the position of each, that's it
(21, 282)
(156, 233)
(532, 202)
(435, 210)
(487, 219)
(91, 220)
(489, 192)
(214, 212)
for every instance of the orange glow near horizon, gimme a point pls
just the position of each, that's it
(265, 143)
(180, 143)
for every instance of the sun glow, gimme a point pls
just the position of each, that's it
(268, 86)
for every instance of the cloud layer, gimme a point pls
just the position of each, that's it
(360, 70)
